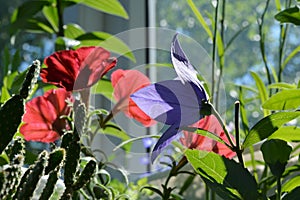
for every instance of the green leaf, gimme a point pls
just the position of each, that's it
(6, 61)
(34, 25)
(293, 195)
(276, 153)
(290, 56)
(18, 81)
(16, 62)
(111, 129)
(267, 126)
(106, 41)
(60, 44)
(200, 18)
(113, 7)
(50, 12)
(289, 15)
(291, 184)
(9, 79)
(283, 100)
(224, 175)
(4, 94)
(261, 89)
(73, 31)
(287, 133)
(25, 12)
(103, 87)
(203, 133)
(278, 5)
(282, 85)
(244, 118)
(135, 139)
(28, 10)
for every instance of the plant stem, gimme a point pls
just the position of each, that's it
(217, 115)
(237, 133)
(221, 56)
(207, 192)
(60, 18)
(262, 43)
(107, 118)
(278, 196)
(282, 41)
(214, 50)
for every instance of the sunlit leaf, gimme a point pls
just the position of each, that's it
(244, 118)
(106, 41)
(4, 95)
(283, 100)
(290, 56)
(205, 133)
(223, 175)
(287, 133)
(267, 126)
(200, 18)
(103, 87)
(291, 184)
(261, 89)
(50, 12)
(282, 85)
(289, 15)
(113, 7)
(60, 44)
(73, 31)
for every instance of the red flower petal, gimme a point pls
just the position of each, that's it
(195, 141)
(42, 120)
(94, 67)
(126, 82)
(77, 69)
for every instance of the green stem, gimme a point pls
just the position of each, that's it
(221, 57)
(237, 133)
(214, 51)
(212, 195)
(217, 115)
(282, 41)
(207, 192)
(278, 196)
(262, 43)
(107, 119)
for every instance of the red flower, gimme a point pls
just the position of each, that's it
(196, 141)
(77, 69)
(42, 120)
(126, 82)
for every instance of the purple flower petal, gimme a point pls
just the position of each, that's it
(171, 102)
(164, 141)
(184, 69)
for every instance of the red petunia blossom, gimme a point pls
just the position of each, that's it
(126, 82)
(196, 141)
(42, 119)
(77, 69)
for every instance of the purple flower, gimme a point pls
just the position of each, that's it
(176, 102)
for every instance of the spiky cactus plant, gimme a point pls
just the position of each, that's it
(12, 110)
